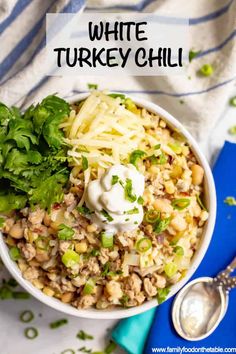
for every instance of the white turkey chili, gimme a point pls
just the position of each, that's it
(101, 202)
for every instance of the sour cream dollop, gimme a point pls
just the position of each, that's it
(114, 199)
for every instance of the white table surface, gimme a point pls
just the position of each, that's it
(12, 340)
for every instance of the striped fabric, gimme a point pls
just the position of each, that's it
(196, 101)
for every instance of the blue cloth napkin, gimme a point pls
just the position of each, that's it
(131, 333)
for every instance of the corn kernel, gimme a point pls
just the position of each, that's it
(169, 187)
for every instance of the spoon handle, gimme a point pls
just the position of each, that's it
(224, 279)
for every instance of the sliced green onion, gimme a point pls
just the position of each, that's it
(26, 316)
(170, 269)
(128, 189)
(14, 253)
(12, 283)
(151, 216)
(110, 348)
(115, 95)
(130, 105)
(107, 215)
(200, 202)
(106, 269)
(231, 201)
(31, 333)
(161, 225)
(144, 244)
(176, 147)
(162, 295)
(135, 156)
(114, 180)
(206, 70)
(232, 101)
(181, 203)
(156, 147)
(107, 240)
(84, 163)
(232, 130)
(65, 232)
(82, 148)
(6, 293)
(68, 351)
(193, 54)
(42, 243)
(88, 287)
(20, 295)
(83, 335)
(94, 253)
(58, 323)
(124, 300)
(83, 210)
(179, 250)
(140, 200)
(132, 211)
(92, 86)
(158, 160)
(86, 350)
(70, 258)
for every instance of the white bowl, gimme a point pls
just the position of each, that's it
(198, 256)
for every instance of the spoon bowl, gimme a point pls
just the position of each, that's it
(199, 308)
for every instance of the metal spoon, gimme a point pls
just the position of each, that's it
(201, 305)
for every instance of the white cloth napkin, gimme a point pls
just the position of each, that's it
(196, 101)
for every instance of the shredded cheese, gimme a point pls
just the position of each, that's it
(108, 131)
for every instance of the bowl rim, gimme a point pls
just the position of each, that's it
(208, 232)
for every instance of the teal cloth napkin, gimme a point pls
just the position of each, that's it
(131, 333)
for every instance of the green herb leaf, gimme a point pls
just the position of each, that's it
(12, 201)
(106, 215)
(65, 232)
(84, 163)
(161, 225)
(128, 189)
